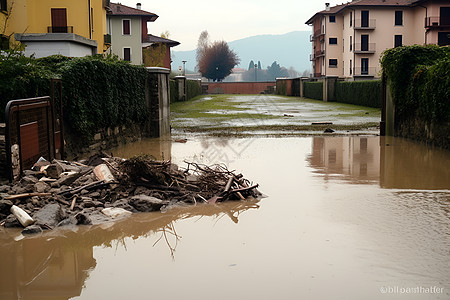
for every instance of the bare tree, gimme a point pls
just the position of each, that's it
(217, 61)
(202, 45)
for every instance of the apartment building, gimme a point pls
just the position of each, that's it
(46, 27)
(128, 27)
(348, 39)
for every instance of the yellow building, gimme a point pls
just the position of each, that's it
(34, 22)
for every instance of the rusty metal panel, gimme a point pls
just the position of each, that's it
(29, 144)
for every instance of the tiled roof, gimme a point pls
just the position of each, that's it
(117, 9)
(156, 39)
(336, 9)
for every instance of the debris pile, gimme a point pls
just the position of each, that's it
(103, 188)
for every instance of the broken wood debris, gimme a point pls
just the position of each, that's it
(61, 193)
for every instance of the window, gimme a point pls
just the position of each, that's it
(127, 54)
(59, 20)
(4, 42)
(444, 16)
(398, 18)
(351, 43)
(351, 19)
(398, 40)
(364, 18)
(364, 66)
(364, 42)
(332, 63)
(333, 41)
(3, 5)
(126, 28)
(351, 69)
(332, 19)
(444, 38)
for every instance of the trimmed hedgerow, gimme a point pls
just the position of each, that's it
(21, 77)
(419, 80)
(313, 90)
(100, 93)
(365, 93)
(193, 89)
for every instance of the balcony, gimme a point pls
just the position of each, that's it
(107, 39)
(369, 48)
(319, 32)
(319, 53)
(433, 22)
(369, 72)
(311, 38)
(362, 24)
(60, 29)
(312, 57)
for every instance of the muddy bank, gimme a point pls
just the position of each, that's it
(105, 188)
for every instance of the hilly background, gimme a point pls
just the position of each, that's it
(289, 50)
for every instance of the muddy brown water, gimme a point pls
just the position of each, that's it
(344, 218)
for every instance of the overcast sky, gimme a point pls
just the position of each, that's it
(227, 20)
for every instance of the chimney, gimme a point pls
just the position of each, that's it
(327, 6)
(138, 5)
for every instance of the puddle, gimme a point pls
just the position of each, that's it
(344, 218)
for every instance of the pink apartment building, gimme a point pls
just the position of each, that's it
(348, 39)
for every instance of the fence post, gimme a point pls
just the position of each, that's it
(181, 84)
(158, 100)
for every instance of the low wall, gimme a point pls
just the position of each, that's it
(267, 87)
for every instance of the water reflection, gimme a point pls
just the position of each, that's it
(56, 264)
(389, 162)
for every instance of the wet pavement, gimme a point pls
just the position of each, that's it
(270, 115)
(346, 217)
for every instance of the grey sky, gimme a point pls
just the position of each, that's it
(228, 20)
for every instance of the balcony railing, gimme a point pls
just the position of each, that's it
(60, 29)
(319, 53)
(437, 22)
(318, 32)
(311, 38)
(362, 24)
(359, 71)
(312, 57)
(365, 48)
(317, 74)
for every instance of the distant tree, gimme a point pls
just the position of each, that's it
(251, 65)
(274, 71)
(217, 60)
(202, 45)
(259, 65)
(306, 73)
(292, 72)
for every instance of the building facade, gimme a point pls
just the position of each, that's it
(130, 39)
(348, 39)
(70, 27)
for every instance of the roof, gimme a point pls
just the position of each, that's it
(117, 9)
(355, 3)
(152, 39)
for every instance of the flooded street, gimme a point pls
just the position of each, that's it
(348, 217)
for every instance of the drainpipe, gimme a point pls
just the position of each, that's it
(354, 42)
(426, 16)
(89, 14)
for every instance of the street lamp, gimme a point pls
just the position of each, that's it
(256, 70)
(184, 67)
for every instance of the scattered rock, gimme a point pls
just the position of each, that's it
(32, 229)
(83, 219)
(41, 187)
(328, 130)
(146, 203)
(54, 170)
(5, 206)
(70, 221)
(115, 212)
(49, 215)
(12, 222)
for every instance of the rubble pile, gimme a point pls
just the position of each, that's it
(104, 188)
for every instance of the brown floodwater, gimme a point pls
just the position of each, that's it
(344, 218)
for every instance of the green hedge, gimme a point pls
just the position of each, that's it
(365, 93)
(173, 91)
(193, 89)
(419, 80)
(100, 93)
(313, 90)
(97, 92)
(21, 77)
